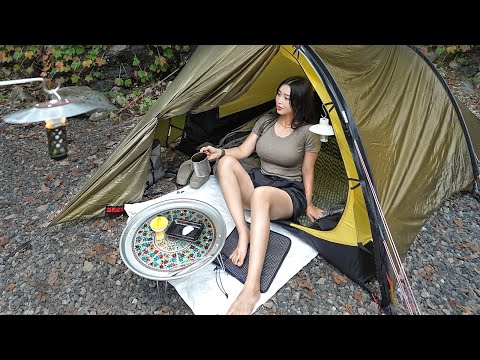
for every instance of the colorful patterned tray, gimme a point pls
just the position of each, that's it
(171, 257)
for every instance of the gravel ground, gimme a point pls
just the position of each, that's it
(75, 268)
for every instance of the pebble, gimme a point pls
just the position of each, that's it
(91, 285)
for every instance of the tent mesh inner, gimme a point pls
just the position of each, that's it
(331, 182)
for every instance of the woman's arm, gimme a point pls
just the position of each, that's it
(240, 152)
(308, 170)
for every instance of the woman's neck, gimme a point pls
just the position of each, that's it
(285, 121)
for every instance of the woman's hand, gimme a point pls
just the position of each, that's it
(212, 152)
(314, 213)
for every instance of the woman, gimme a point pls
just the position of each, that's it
(280, 189)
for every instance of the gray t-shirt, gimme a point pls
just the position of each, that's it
(284, 156)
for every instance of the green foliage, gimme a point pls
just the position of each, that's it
(446, 53)
(82, 64)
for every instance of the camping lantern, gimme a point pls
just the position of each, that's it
(57, 137)
(54, 113)
(323, 128)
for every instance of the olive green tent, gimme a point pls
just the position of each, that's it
(402, 143)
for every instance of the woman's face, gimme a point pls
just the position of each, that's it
(282, 100)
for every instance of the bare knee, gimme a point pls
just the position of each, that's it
(260, 198)
(226, 164)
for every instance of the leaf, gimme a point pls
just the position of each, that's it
(339, 279)
(119, 82)
(427, 276)
(112, 259)
(52, 278)
(31, 200)
(458, 222)
(166, 309)
(75, 65)
(89, 253)
(59, 65)
(17, 55)
(452, 303)
(358, 295)
(452, 49)
(42, 297)
(10, 287)
(349, 309)
(79, 50)
(51, 176)
(87, 63)
(100, 61)
(269, 304)
(305, 283)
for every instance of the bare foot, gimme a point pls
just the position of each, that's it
(238, 255)
(244, 303)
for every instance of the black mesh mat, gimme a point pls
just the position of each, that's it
(277, 249)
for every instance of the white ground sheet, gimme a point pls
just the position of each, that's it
(200, 290)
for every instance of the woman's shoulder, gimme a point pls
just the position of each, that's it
(260, 124)
(305, 129)
(265, 117)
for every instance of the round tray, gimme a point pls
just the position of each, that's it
(172, 257)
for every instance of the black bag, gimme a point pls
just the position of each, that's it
(156, 170)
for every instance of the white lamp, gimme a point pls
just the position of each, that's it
(323, 128)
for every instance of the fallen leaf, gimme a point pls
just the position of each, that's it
(42, 297)
(339, 279)
(305, 283)
(166, 309)
(105, 227)
(349, 309)
(31, 200)
(269, 304)
(458, 222)
(58, 195)
(10, 287)
(112, 259)
(89, 253)
(427, 276)
(99, 248)
(52, 278)
(358, 295)
(429, 268)
(51, 176)
(453, 304)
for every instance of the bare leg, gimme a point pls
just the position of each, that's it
(267, 204)
(237, 189)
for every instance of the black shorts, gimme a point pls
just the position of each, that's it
(294, 189)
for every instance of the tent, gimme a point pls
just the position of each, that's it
(402, 144)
